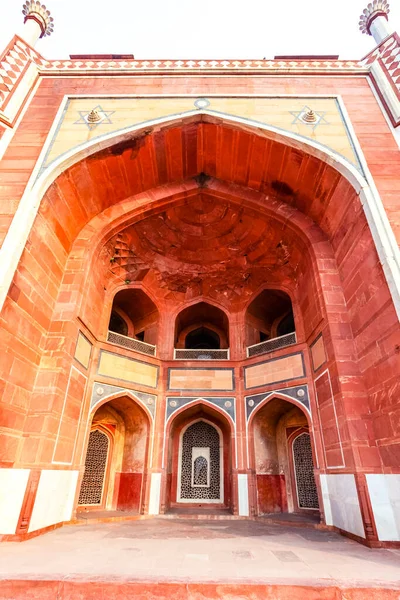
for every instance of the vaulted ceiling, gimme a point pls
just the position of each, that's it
(194, 148)
(207, 242)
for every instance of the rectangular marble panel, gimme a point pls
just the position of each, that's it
(120, 367)
(155, 494)
(243, 495)
(13, 484)
(318, 353)
(201, 379)
(83, 350)
(54, 499)
(341, 504)
(275, 370)
(384, 492)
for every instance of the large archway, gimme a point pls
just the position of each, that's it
(202, 220)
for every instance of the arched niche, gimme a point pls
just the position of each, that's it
(128, 427)
(181, 423)
(269, 315)
(272, 430)
(134, 314)
(202, 323)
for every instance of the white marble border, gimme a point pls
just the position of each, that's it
(341, 504)
(384, 493)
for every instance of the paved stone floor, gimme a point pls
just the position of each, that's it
(184, 550)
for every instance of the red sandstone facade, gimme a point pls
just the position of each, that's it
(200, 288)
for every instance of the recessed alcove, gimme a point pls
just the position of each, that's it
(202, 326)
(134, 315)
(270, 315)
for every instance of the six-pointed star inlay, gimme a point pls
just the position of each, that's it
(301, 114)
(103, 114)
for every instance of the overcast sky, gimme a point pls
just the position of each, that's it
(201, 29)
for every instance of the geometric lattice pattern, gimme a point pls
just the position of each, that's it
(304, 471)
(12, 66)
(389, 55)
(95, 468)
(194, 65)
(196, 354)
(391, 59)
(131, 343)
(198, 472)
(269, 345)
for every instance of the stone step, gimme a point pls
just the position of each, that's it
(67, 589)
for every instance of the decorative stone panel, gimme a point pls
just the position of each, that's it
(227, 404)
(275, 370)
(101, 391)
(299, 393)
(201, 379)
(121, 367)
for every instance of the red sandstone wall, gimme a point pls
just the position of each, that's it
(29, 315)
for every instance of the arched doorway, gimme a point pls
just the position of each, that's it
(115, 470)
(283, 459)
(199, 469)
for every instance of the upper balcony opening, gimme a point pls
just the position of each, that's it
(202, 337)
(202, 333)
(269, 323)
(134, 321)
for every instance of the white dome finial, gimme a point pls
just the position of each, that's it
(374, 20)
(38, 21)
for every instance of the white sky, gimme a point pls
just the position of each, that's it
(202, 29)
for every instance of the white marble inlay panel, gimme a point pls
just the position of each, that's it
(54, 499)
(384, 492)
(12, 491)
(243, 493)
(155, 493)
(326, 499)
(342, 508)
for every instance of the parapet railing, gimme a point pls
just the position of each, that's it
(197, 354)
(271, 345)
(131, 343)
